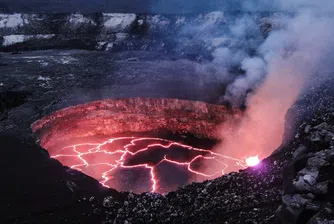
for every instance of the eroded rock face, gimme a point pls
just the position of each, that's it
(118, 116)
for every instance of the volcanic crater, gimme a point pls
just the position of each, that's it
(140, 144)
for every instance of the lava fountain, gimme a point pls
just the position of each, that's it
(140, 144)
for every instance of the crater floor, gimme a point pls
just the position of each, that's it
(97, 138)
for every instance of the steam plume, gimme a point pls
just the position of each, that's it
(265, 71)
(292, 54)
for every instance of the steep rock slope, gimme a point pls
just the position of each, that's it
(135, 115)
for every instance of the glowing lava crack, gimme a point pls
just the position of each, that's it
(93, 138)
(103, 161)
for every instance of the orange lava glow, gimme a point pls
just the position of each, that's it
(83, 137)
(105, 161)
(252, 161)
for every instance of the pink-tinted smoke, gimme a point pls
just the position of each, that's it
(261, 130)
(293, 53)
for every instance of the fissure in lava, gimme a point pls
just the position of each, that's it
(94, 139)
(144, 164)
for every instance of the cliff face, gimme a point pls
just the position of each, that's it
(117, 116)
(191, 35)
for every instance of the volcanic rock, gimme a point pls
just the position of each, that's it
(136, 115)
(117, 32)
(312, 180)
(300, 151)
(108, 201)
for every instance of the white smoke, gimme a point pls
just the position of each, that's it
(255, 70)
(292, 54)
(265, 64)
(233, 45)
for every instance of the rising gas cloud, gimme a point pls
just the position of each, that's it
(295, 51)
(266, 70)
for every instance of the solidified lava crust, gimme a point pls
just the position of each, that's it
(119, 142)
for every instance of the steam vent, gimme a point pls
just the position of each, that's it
(139, 144)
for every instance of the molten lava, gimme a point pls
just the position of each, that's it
(143, 159)
(252, 161)
(94, 139)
